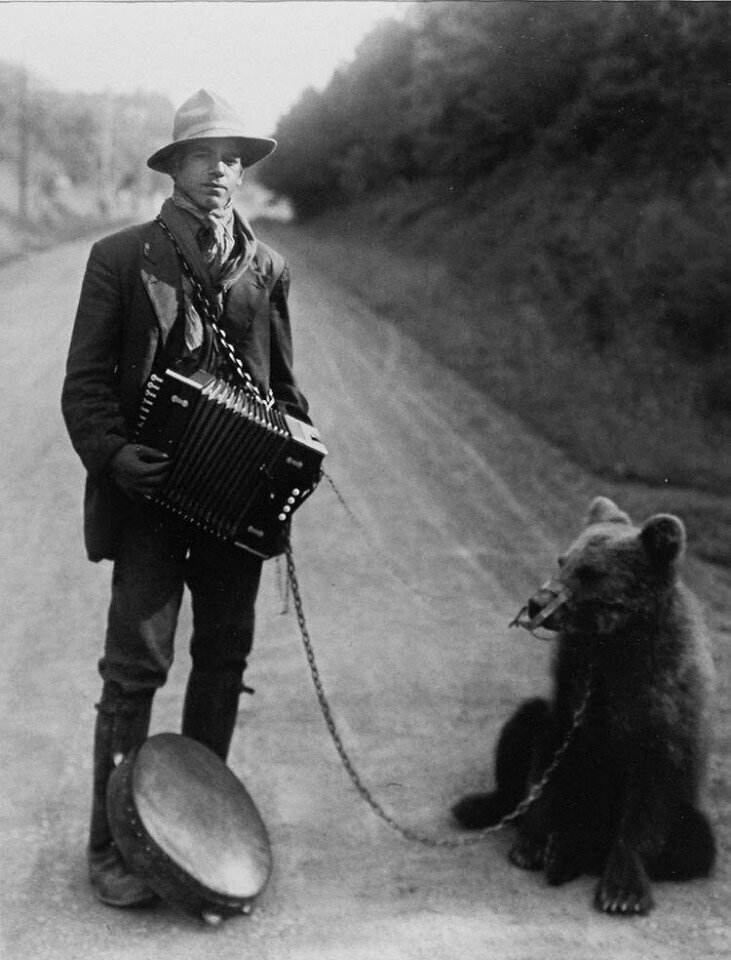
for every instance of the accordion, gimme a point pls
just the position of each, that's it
(239, 467)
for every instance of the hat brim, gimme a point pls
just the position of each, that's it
(251, 149)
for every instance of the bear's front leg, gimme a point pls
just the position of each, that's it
(529, 850)
(641, 834)
(565, 857)
(535, 825)
(625, 887)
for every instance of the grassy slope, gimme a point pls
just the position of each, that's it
(467, 278)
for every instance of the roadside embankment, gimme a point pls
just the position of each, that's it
(19, 237)
(625, 412)
(58, 211)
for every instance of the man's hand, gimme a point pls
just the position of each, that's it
(137, 470)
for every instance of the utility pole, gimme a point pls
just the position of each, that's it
(106, 153)
(23, 145)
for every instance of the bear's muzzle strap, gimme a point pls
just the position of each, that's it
(560, 594)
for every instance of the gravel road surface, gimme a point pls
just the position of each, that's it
(455, 514)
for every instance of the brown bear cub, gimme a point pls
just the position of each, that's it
(622, 800)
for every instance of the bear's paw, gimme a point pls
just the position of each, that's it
(528, 854)
(624, 890)
(478, 810)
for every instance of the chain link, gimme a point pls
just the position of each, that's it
(408, 833)
(210, 316)
(342, 501)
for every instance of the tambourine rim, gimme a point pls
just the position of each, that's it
(145, 857)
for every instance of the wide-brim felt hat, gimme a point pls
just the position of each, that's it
(206, 116)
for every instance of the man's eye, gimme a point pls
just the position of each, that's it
(230, 161)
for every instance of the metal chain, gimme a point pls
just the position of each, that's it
(384, 559)
(408, 833)
(342, 501)
(210, 316)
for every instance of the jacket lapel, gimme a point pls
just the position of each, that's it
(161, 277)
(246, 295)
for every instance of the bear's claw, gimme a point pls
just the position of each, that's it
(625, 900)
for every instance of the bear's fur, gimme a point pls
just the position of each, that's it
(623, 800)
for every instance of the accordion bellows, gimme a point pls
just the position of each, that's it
(239, 467)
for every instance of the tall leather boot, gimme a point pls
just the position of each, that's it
(122, 724)
(210, 709)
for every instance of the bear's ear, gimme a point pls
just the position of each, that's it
(663, 536)
(604, 510)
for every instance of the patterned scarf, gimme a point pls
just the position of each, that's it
(216, 237)
(216, 265)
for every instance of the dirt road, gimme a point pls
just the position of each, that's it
(459, 516)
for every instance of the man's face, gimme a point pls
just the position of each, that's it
(209, 172)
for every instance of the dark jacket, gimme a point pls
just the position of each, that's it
(130, 299)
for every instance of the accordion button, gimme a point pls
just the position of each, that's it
(282, 516)
(290, 499)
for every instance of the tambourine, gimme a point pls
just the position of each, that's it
(184, 822)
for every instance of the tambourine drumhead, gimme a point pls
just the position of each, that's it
(200, 815)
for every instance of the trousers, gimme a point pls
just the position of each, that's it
(157, 557)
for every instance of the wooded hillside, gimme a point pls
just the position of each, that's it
(631, 100)
(460, 88)
(574, 156)
(540, 193)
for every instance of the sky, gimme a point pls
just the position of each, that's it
(258, 54)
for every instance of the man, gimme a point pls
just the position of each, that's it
(140, 312)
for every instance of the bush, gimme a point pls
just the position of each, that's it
(681, 278)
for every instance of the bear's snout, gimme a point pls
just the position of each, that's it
(545, 605)
(535, 605)
(540, 610)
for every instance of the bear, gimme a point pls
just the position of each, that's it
(625, 732)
